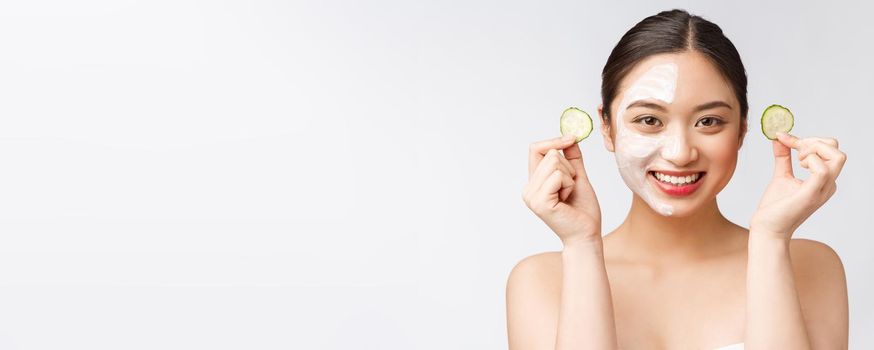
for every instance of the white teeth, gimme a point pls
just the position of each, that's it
(677, 180)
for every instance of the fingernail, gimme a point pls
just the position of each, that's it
(780, 133)
(567, 138)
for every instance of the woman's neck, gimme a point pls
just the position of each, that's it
(646, 236)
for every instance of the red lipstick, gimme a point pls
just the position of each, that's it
(676, 190)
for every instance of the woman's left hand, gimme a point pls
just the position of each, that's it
(788, 201)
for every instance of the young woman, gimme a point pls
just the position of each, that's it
(676, 274)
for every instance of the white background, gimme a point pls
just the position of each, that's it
(346, 175)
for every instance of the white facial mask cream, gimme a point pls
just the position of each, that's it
(635, 152)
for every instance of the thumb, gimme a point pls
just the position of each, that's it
(782, 159)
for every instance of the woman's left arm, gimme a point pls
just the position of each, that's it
(774, 318)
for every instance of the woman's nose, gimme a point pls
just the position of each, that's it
(679, 150)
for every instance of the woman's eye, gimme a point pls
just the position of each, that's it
(708, 121)
(649, 121)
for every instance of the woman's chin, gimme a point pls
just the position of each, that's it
(684, 209)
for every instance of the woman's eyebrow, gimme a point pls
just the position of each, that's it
(647, 104)
(711, 105)
(656, 106)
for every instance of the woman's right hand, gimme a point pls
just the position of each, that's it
(559, 193)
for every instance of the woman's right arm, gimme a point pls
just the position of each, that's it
(586, 314)
(559, 192)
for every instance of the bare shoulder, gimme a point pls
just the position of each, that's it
(533, 301)
(540, 260)
(814, 259)
(822, 291)
(819, 272)
(540, 271)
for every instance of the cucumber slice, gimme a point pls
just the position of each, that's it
(776, 118)
(576, 122)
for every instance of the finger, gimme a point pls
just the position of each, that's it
(834, 158)
(782, 160)
(540, 201)
(575, 156)
(838, 164)
(567, 187)
(819, 175)
(554, 160)
(537, 150)
(549, 164)
(555, 182)
(789, 140)
(826, 151)
(557, 161)
(566, 164)
(826, 140)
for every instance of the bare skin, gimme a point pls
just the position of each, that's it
(693, 280)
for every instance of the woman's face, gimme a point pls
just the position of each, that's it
(676, 130)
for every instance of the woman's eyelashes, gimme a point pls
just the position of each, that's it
(650, 122)
(709, 122)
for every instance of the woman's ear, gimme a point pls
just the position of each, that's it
(743, 133)
(605, 128)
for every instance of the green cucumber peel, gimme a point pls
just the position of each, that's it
(776, 118)
(576, 122)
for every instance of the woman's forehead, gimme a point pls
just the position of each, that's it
(697, 79)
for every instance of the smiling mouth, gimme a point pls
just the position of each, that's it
(678, 181)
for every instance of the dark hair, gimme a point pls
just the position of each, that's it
(673, 32)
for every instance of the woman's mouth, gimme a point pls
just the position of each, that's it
(677, 184)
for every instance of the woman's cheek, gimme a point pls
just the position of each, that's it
(722, 153)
